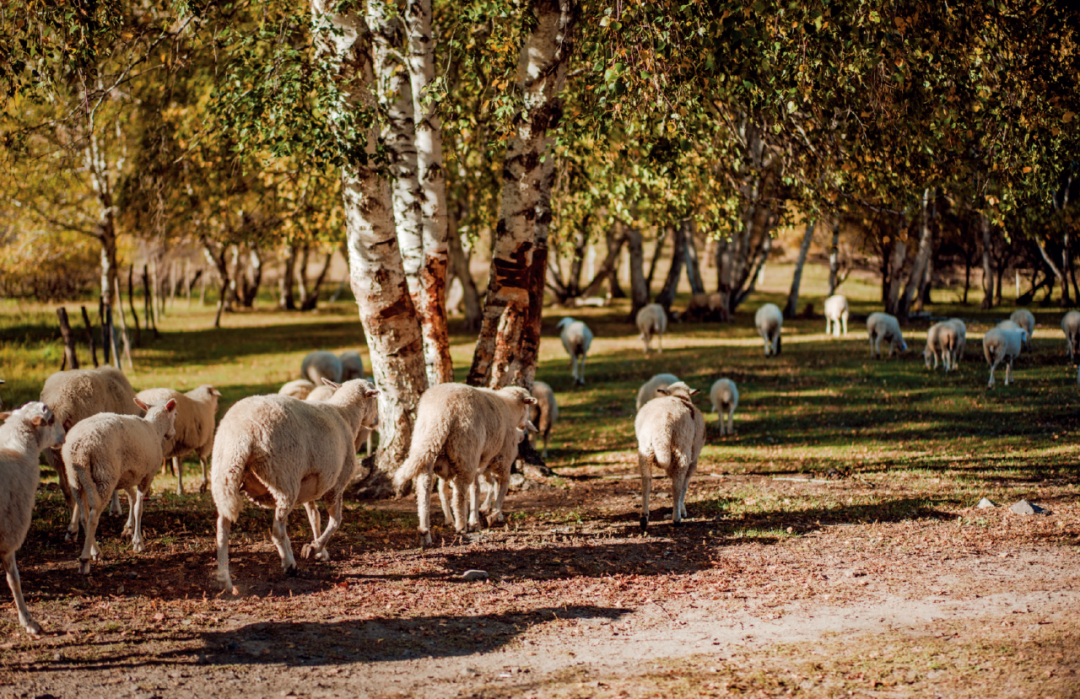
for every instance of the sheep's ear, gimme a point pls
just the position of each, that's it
(529, 400)
(371, 392)
(663, 391)
(694, 391)
(531, 427)
(331, 384)
(6, 414)
(215, 392)
(171, 405)
(142, 405)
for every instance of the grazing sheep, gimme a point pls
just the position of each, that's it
(652, 319)
(576, 338)
(670, 432)
(769, 321)
(649, 389)
(352, 365)
(321, 393)
(961, 331)
(281, 452)
(1070, 325)
(299, 389)
(76, 395)
(1026, 321)
(196, 413)
(942, 340)
(545, 412)
(1002, 344)
(883, 327)
(459, 431)
(106, 452)
(725, 398)
(24, 434)
(321, 365)
(836, 313)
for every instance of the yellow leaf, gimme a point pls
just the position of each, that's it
(1027, 170)
(1067, 117)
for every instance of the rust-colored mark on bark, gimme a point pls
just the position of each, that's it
(513, 270)
(401, 305)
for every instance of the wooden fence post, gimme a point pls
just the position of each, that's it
(69, 340)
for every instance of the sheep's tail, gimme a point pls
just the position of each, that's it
(988, 352)
(577, 347)
(227, 466)
(662, 454)
(425, 448)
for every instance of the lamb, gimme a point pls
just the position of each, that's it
(196, 413)
(576, 338)
(883, 327)
(545, 412)
(1026, 320)
(725, 398)
(281, 452)
(942, 340)
(1070, 325)
(321, 365)
(321, 393)
(106, 452)
(299, 389)
(459, 431)
(961, 331)
(769, 321)
(652, 319)
(649, 389)
(836, 313)
(24, 434)
(670, 432)
(76, 395)
(1002, 344)
(352, 365)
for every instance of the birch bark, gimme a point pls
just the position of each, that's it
(792, 307)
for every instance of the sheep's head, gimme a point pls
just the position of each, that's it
(358, 392)
(564, 322)
(154, 413)
(681, 391)
(36, 416)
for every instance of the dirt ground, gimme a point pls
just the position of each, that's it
(938, 601)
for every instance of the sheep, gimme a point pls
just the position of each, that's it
(1026, 320)
(836, 313)
(1070, 325)
(321, 365)
(76, 395)
(670, 432)
(884, 327)
(576, 338)
(942, 340)
(106, 452)
(459, 431)
(724, 395)
(196, 413)
(769, 321)
(281, 452)
(24, 434)
(495, 476)
(352, 365)
(649, 389)
(321, 393)
(652, 319)
(545, 412)
(1002, 343)
(299, 389)
(961, 331)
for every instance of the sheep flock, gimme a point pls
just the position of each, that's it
(300, 446)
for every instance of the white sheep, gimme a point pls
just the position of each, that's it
(942, 340)
(1070, 325)
(545, 412)
(648, 390)
(280, 452)
(961, 331)
(352, 365)
(321, 365)
(724, 395)
(76, 395)
(1026, 320)
(495, 478)
(670, 432)
(652, 320)
(24, 434)
(1002, 344)
(321, 393)
(299, 389)
(836, 313)
(459, 431)
(196, 413)
(882, 327)
(769, 321)
(576, 339)
(106, 452)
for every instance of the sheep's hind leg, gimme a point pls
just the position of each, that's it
(129, 525)
(15, 584)
(676, 498)
(178, 469)
(114, 507)
(280, 536)
(423, 506)
(1008, 372)
(206, 481)
(460, 507)
(224, 526)
(90, 549)
(444, 501)
(137, 510)
(646, 484)
(314, 518)
(333, 521)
